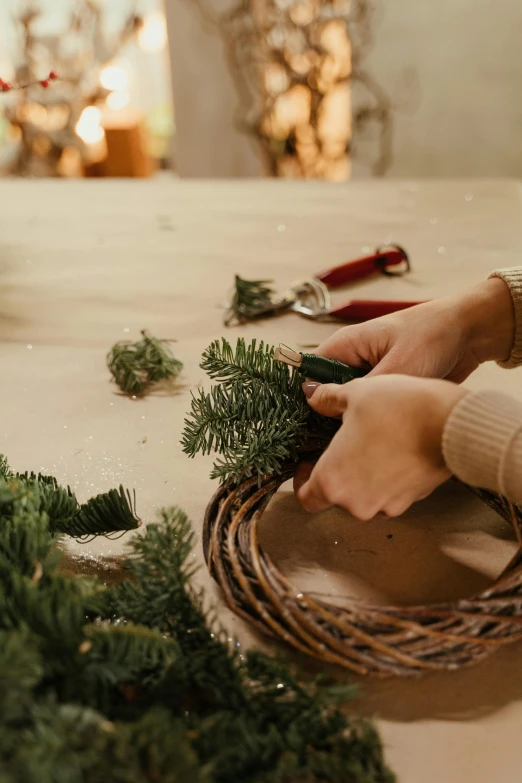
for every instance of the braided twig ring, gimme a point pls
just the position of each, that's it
(367, 639)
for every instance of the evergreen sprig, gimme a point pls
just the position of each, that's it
(138, 682)
(250, 299)
(110, 512)
(135, 367)
(106, 513)
(256, 419)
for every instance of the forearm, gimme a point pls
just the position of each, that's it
(482, 443)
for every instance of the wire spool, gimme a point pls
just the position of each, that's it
(379, 641)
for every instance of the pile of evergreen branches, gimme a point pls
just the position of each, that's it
(134, 682)
(256, 418)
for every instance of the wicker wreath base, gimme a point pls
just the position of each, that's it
(371, 640)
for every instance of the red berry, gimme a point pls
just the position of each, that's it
(53, 75)
(45, 83)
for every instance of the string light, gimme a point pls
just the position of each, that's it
(88, 126)
(153, 35)
(114, 78)
(118, 100)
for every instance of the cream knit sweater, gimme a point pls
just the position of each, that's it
(482, 442)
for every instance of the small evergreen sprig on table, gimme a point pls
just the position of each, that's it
(135, 367)
(136, 681)
(249, 298)
(256, 418)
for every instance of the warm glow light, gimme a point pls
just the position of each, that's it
(114, 78)
(153, 35)
(88, 126)
(117, 100)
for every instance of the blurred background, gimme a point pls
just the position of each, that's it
(314, 89)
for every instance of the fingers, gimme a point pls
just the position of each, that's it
(323, 485)
(328, 399)
(347, 345)
(302, 474)
(309, 489)
(392, 363)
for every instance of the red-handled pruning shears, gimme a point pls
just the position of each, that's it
(310, 296)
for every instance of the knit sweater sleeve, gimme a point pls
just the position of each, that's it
(513, 279)
(482, 442)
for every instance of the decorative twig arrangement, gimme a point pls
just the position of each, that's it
(368, 639)
(8, 86)
(304, 93)
(46, 142)
(136, 367)
(135, 679)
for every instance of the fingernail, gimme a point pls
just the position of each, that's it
(309, 388)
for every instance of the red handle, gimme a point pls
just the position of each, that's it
(365, 310)
(363, 267)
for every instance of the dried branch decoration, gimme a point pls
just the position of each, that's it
(45, 140)
(304, 94)
(9, 86)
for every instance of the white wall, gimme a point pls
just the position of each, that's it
(467, 55)
(207, 143)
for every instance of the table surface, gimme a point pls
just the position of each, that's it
(84, 264)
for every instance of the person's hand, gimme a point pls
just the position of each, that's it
(446, 338)
(388, 451)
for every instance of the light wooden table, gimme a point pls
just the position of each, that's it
(85, 264)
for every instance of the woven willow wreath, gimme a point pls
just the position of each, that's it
(373, 640)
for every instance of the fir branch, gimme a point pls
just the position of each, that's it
(245, 725)
(25, 539)
(250, 299)
(135, 367)
(20, 671)
(70, 743)
(59, 503)
(248, 364)
(5, 470)
(139, 680)
(256, 419)
(125, 652)
(110, 512)
(262, 448)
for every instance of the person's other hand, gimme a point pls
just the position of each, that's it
(387, 453)
(446, 338)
